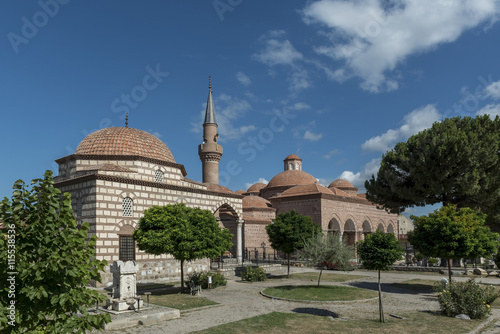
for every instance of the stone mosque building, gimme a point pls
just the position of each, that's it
(116, 173)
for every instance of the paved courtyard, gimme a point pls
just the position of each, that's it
(241, 300)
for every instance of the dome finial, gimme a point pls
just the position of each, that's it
(126, 120)
(209, 83)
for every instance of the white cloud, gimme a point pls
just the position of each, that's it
(491, 109)
(279, 51)
(306, 131)
(312, 136)
(372, 37)
(300, 106)
(493, 90)
(416, 121)
(330, 154)
(358, 179)
(228, 110)
(243, 79)
(260, 180)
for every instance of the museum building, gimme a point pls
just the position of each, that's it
(116, 173)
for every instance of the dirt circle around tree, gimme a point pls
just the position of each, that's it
(321, 294)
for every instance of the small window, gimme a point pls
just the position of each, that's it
(127, 248)
(127, 208)
(158, 176)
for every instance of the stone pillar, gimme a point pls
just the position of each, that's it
(239, 242)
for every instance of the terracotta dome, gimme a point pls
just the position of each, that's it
(341, 184)
(255, 202)
(314, 188)
(240, 192)
(255, 188)
(291, 177)
(124, 141)
(293, 157)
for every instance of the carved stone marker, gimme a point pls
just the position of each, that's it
(124, 285)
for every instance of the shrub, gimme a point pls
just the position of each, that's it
(432, 260)
(253, 274)
(466, 297)
(419, 256)
(201, 278)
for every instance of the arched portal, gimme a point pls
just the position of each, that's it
(390, 229)
(367, 228)
(334, 226)
(349, 235)
(381, 227)
(228, 218)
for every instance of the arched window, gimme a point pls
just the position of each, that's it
(127, 207)
(158, 176)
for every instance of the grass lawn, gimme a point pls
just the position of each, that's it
(290, 323)
(417, 285)
(323, 293)
(325, 277)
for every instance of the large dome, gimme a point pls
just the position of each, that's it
(124, 141)
(291, 177)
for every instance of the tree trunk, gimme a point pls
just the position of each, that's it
(380, 308)
(320, 272)
(449, 270)
(288, 265)
(182, 276)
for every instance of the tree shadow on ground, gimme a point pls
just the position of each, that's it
(316, 311)
(391, 288)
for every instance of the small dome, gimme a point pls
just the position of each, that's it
(292, 157)
(339, 183)
(255, 202)
(255, 188)
(240, 192)
(124, 141)
(314, 188)
(363, 195)
(290, 178)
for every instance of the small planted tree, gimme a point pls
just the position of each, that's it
(329, 248)
(288, 231)
(378, 252)
(453, 234)
(47, 263)
(185, 233)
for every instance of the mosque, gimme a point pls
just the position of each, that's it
(116, 173)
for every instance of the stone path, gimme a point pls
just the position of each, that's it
(240, 300)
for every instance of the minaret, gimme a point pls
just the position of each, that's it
(210, 151)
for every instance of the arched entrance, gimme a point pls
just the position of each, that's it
(367, 228)
(229, 218)
(380, 227)
(390, 229)
(349, 235)
(333, 226)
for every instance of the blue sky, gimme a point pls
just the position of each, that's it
(336, 82)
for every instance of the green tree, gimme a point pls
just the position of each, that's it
(378, 252)
(456, 161)
(453, 234)
(327, 248)
(47, 263)
(288, 231)
(185, 233)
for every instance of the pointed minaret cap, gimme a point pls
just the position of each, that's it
(210, 112)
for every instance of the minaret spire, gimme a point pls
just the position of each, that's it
(210, 111)
(210, 151)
